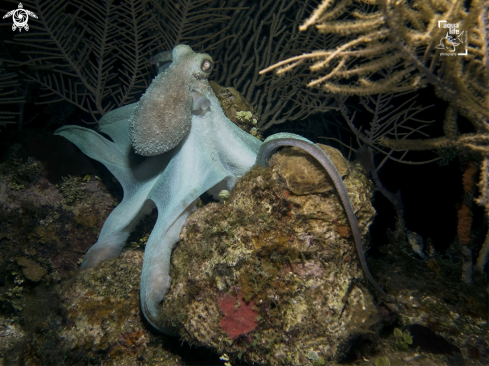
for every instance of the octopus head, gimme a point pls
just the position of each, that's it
(163, 115)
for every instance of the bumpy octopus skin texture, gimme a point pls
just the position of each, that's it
(190, 147)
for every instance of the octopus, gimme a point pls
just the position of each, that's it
(166, 150)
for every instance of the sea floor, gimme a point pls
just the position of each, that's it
(51, 313)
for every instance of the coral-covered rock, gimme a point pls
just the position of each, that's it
(303, 174)
(282, 252)
(269, 244)
(101, 320)
(32, 270)
(45, 227)
(236, 108)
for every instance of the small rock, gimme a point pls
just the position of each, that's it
(31, 269)
(303, 173)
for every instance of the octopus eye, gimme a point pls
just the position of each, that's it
(207, 66)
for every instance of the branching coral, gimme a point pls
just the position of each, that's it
(201, 24)
(9, 87)
(382, 34)
(389, 119)
(264, 34)
(76, 55)
(405, 36)
(95, 54)
(408, 36)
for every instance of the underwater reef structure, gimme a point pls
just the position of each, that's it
(48, 314)
(399, 46)
(94, 316)
(265, 32)
(98, 56)
(10, 97)
(167, 150)
(270, 275)
(103, 320)
(40, 220)
(94, 55)
(74, 47)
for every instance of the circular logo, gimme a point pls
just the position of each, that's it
(20, 18)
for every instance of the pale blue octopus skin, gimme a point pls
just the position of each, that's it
(211, 157)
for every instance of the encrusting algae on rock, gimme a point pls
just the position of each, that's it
(272, 275)
(236, 108)
(94, 316)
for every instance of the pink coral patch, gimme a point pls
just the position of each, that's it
(237, 320)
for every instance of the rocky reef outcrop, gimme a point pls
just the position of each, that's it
(272, 275)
